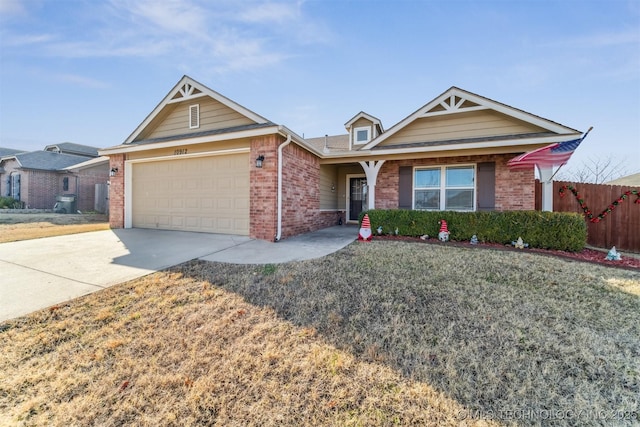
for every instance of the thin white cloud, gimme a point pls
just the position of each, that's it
(11, 7)
(142, 49)
(168, 15)
(267, 13)
(26, 39)
(83, 81)
(222, 36)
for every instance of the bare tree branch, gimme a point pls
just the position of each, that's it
(596, 170)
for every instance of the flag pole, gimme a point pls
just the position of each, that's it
(557, 170)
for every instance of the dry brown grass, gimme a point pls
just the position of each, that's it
(16, 227)
(385, 333)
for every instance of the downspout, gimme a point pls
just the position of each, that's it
(280, 148)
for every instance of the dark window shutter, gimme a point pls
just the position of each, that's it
(486, 186)
(405, 187)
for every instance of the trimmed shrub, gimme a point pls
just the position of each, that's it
(9, 203)
(547, 230)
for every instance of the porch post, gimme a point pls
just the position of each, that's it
(371, 169)
(546, 173)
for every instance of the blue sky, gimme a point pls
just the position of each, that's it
(89, 71)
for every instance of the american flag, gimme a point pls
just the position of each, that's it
(556, 154)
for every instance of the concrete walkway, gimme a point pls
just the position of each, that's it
(36, 274)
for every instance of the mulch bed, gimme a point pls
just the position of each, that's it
(586, 255)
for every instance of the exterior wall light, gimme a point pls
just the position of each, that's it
(259, 161)
(113, 171)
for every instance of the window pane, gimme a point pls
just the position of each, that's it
(460, 176)
(426, 178)
(362, 135)
(459, 200)
(428, 199)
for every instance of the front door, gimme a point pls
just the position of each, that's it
(357, 197)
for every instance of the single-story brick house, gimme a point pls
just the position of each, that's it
(36, 178)
(201, 162)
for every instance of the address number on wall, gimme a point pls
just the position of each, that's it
(179, 151)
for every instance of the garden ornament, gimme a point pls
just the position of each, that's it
(520, 244)
(613, 255)
(365, 229)
(443, 235)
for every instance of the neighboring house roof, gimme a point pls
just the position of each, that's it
(456, 100)
(630, 180)
(72, 148)
(9, 151)
(187, 89)
(87, 164)
(45, 160)
(330, 143)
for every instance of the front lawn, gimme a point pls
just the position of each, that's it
(381, 333)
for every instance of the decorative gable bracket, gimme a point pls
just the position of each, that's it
(454, 104)
(186, 92)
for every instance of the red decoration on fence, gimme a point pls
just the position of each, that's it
(605, 212)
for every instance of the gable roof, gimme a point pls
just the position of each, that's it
(102, 160)
(456, 100)
(45, 160)
(188, 89)
(72, 148)
(363, 115)
(9, 151)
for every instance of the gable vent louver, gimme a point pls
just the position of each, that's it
(194, 116)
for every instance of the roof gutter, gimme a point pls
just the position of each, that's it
(280, 156)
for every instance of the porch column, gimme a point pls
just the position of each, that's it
(546, 173)
(371, 169)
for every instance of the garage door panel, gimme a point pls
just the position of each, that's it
(208, 194)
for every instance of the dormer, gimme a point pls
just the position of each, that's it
(362, 129)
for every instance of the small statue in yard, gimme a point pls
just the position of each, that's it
(613, 255)
(520, 244)
(379, 230)
(474, 240)
(443, 235)
(397, 231)
(365, 229)
(424, 236)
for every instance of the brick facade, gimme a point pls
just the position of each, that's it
(300, 192)
(116, 192)
(39, 188)
(263, 187)
(301, 212)
(515, 189)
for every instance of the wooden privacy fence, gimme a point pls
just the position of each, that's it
(615, 220)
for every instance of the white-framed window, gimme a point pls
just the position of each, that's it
(440, 188)
(194, 116)
(361, 135)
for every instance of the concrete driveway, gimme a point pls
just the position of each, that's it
(36, 274)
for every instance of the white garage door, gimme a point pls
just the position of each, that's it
(209, 194)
